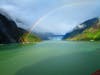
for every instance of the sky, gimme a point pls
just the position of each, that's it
(50, 16)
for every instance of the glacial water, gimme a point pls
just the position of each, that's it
(50, 58)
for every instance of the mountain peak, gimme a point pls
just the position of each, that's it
(90, 27)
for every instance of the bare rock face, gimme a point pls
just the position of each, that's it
(9, 32)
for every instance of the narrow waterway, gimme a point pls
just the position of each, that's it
(50, 58)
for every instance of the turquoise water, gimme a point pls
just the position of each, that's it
(50, 58)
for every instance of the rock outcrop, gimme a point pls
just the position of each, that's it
(10, 32)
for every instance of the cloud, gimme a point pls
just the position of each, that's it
(50, 16)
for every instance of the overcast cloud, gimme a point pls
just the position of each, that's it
(56, 16)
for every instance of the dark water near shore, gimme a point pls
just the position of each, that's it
(50, 58)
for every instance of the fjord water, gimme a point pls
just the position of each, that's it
(50, 58)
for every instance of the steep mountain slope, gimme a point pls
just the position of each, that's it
(10, 33)
(89, 30)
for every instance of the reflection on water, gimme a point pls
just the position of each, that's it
(77, 64)
(51, 58)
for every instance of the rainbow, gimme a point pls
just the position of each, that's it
(57, 9)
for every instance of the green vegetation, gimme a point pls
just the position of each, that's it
(29, 38)
(92, 34)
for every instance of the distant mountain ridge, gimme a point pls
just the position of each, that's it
(48, 35)
(88, 30)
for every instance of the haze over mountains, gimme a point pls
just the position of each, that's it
(88, 30)
(53, 16)
(11, 33)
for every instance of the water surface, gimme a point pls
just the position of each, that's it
(50, 58)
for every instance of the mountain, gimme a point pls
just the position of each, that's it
(44, 36)
(49, 36)
(11, 33)
(88, 30)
